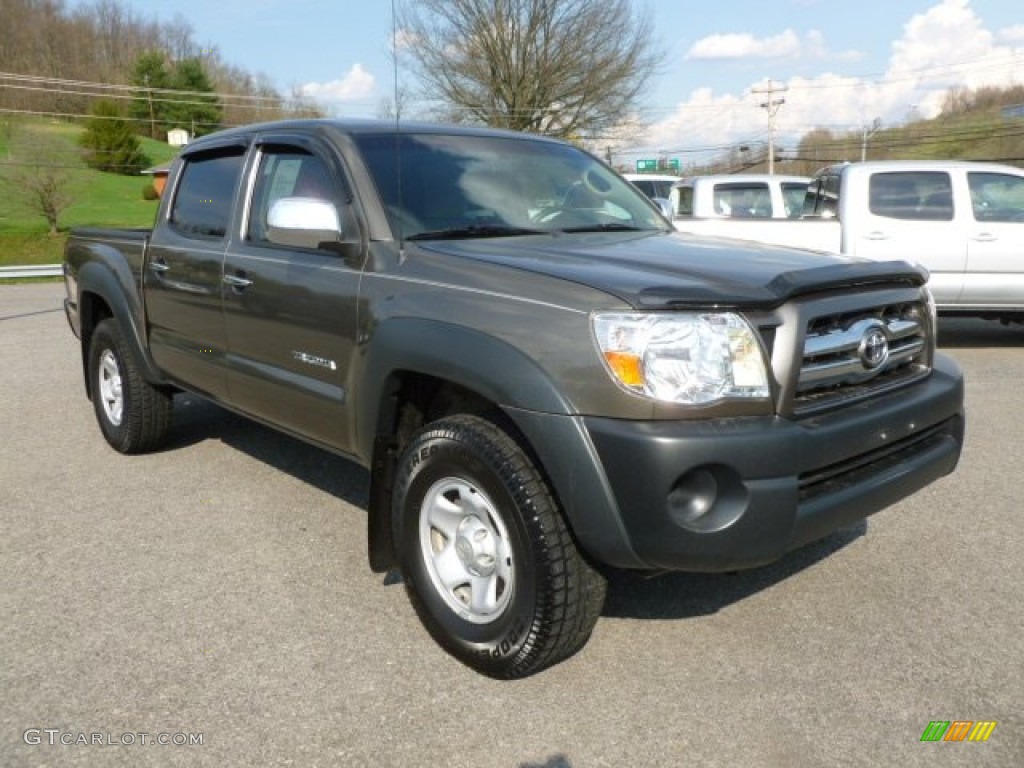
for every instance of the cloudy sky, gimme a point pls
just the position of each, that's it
(843, 64)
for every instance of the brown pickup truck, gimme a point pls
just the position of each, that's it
(542, 377)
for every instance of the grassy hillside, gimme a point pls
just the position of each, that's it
(100, 199)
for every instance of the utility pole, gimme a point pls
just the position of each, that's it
(771, 104)
(152, 115)
(867, 132)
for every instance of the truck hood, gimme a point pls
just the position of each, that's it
(666, 270)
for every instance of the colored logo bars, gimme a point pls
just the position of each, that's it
(958, 730)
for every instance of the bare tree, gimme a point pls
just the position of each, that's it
(569, 68)
(32, 171)
(46, 192)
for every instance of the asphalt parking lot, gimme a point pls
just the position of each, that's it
(218, 592)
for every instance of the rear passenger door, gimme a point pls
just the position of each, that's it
(182, 276)
(995, 244)
(290, 312)
(911, 216)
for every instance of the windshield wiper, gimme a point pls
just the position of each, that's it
(608, 226)
(477, 230)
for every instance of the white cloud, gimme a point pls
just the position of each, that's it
(357, 85)
(744, 46)
(704, 120)
(785, 45)
(943, 47)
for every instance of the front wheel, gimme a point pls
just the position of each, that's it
(489, 563)
(133, 415)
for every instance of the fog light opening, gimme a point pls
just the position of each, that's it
(693, 497)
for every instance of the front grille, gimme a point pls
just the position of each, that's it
(857, 354)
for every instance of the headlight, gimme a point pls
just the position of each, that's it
(691, 358)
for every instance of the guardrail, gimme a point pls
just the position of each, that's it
(32, 270)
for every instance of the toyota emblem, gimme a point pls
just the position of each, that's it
(874, 348)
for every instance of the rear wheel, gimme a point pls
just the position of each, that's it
(489, 563)
(134, 416)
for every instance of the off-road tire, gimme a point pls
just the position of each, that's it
(134, 416)
(547, 597)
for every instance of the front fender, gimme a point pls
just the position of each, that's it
(484, 364)
(504, 375)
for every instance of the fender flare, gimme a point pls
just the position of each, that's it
(484, 364)
(112, 282)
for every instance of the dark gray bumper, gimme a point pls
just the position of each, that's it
(737, 493)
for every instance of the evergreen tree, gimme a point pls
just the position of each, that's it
(110, 143)
(173, 95)
(149, 108)
(199, 112)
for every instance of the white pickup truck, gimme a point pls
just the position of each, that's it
(963, 221)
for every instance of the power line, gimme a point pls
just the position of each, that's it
(56, 82)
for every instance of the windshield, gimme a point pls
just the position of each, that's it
(654, 187)
(452, 186)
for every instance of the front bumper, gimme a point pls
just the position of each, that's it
(729, 494)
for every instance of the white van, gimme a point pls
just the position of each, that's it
(653, 185)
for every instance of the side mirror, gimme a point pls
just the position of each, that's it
(665, 207)
(303, 222)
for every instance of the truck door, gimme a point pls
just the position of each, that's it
(995, 243)
(182, 275)
(910, 216)
(290, 311)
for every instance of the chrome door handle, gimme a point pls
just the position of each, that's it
(237, 282)
(159, 266)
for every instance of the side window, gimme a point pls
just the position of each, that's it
(829, 204)
(685, 207)
(206, 194)
(287, 172)
(793, 199)
(912, 196)
(821, 200)
(743, 200)
(996, 196)
(811, 198)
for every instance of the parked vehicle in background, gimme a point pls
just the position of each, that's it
(744, 195)
(539, 373)
(963, 221)
(653, 185)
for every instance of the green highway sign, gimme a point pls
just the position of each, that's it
(665, 164)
